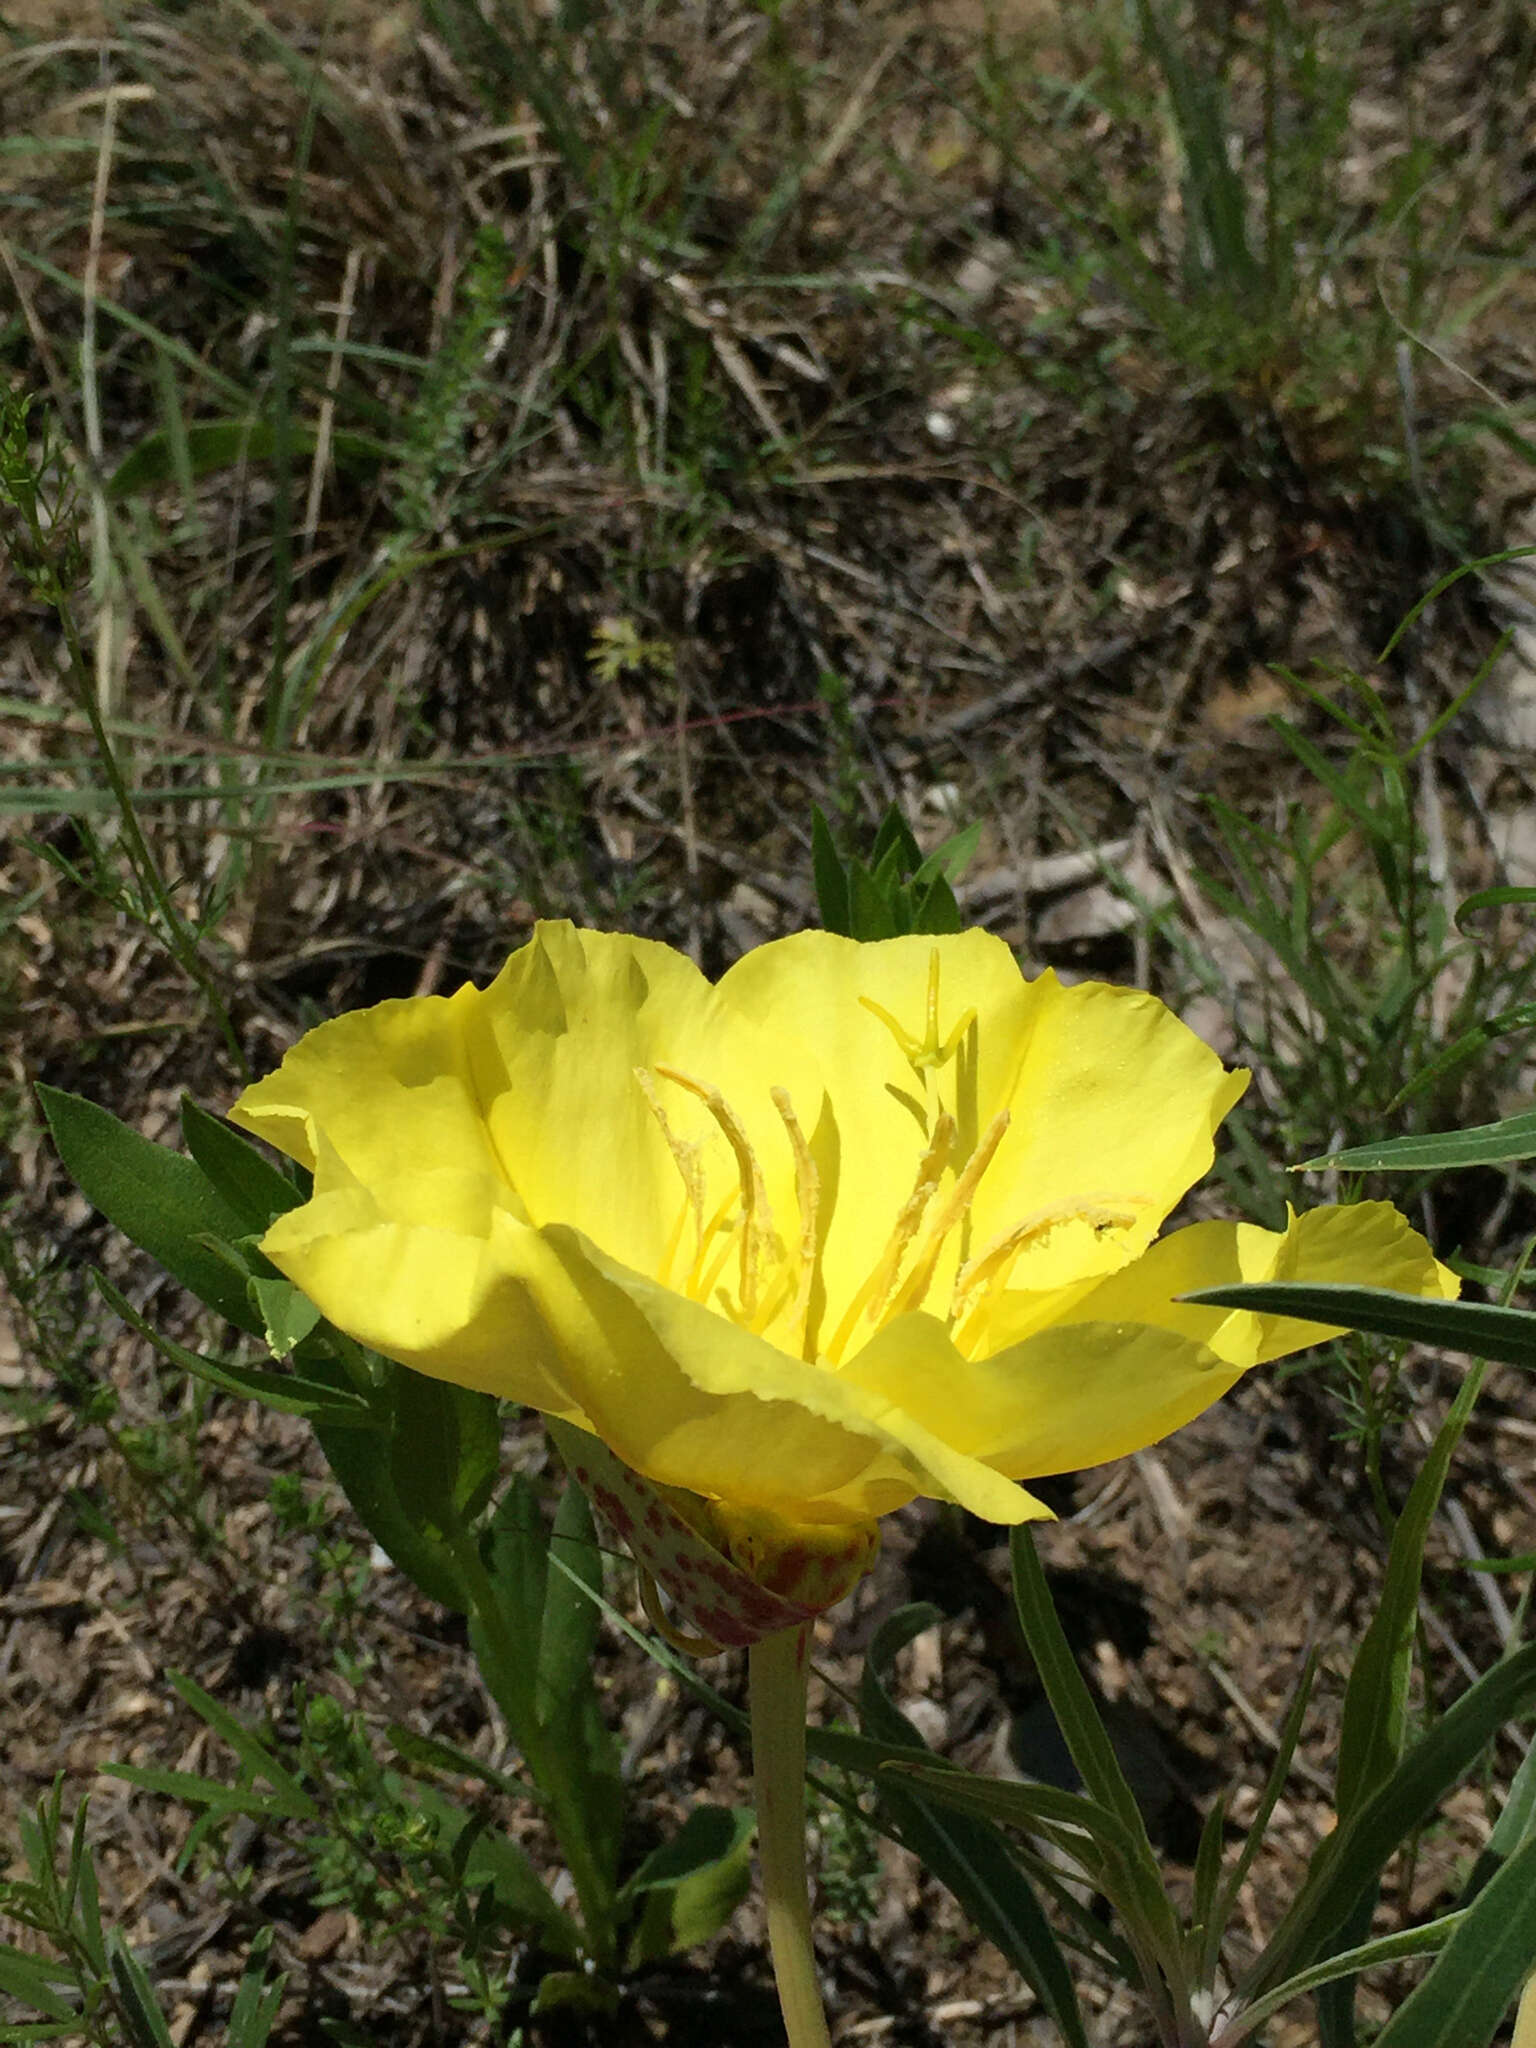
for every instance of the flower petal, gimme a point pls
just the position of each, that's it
(556, 1042)
(1112, 1101)
(421, 1269)
(1115, 1104)
(391, 1088)
(1125, 1363)
(1065, 1398)
(813, 987)
(691, 1400)
(1367, 1243)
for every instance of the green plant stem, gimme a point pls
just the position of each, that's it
(180, 941)
(776, 1674)
(506, 1664)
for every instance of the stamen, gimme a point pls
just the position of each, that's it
(758, 1240)
(685, 1156)
(702, 1278)
(808, 1201)
(872, 1296)
(920, 1279)
(989, 1268)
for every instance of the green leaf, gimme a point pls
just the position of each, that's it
(252, 1186)
(1512, 1138)
(364, 1471)
(257, 2002)
(248, 1746)
(935, 909)
(951, 859)
(143, 2020)
(1487, 1960)
(39, 1982)
(519, 1566)
(163, 1202)
(1515, 1826)
(1386, 1948)
(566, 1699)
(963, 1851)
(1507, 1335)
(870, 913)
(894, 841)
(691, 1885)
(1351, 1860)
(1467, 1047)
(287, 1393)
(569, 1623)
(1145, 1904)
(831, 878)
(1095, 1838)
(1504, 896)
(445, 1447)
(221, 1801)
(704, 1900)
(82, 1897)
(215, 445)
(708, 1833)
(575, 1991)
(492, 1858)
(1375, 1715)
(1258, 1827)
(287, 1316)
(427, 1752)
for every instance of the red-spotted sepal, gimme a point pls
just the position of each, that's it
(730, 1575)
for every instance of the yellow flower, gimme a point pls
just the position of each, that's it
(857, 1223)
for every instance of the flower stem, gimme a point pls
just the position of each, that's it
(776, 1673)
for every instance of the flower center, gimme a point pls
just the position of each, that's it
(775, 1283)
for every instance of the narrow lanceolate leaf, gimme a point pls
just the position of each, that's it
(165, 1203)
(1511, 1138)
(1078, 1718)
(1507, 1335)
(1387, 1948)
(1350, 1862)
(1515, 1826)
(963, 1851)
(287, 1393)
(252, 1186)
(1376, 1699)
(1488, 1958)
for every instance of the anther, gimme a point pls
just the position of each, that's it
(981, 1275)
(758, 1241)
(873, 1295)
(808, 1202)
(956, 1203)
(685, 1155)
